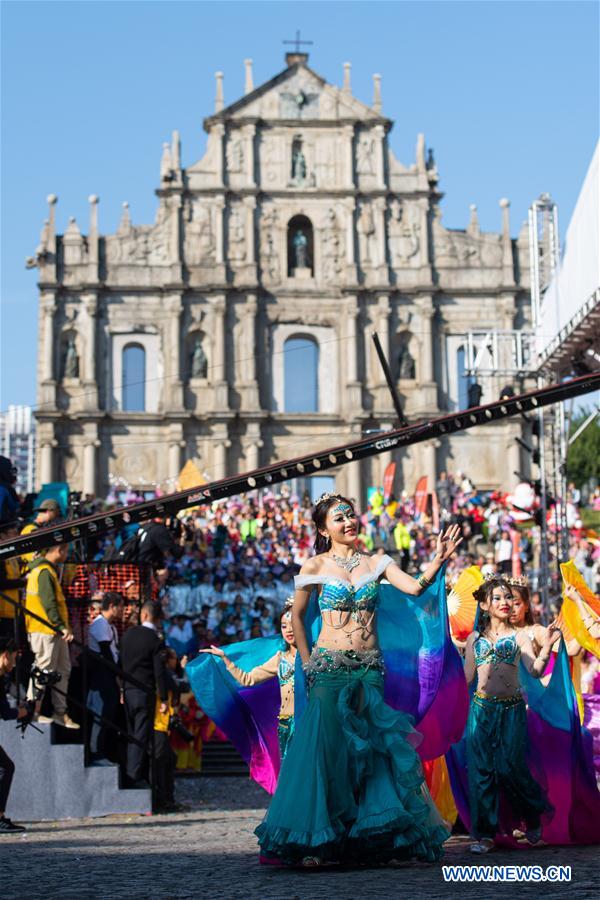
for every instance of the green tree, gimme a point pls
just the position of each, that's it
(583, 458)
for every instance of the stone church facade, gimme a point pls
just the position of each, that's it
(298, 229)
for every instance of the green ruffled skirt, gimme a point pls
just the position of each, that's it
(351, 786)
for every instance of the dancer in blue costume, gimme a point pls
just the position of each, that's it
(497, 739)
(351, 787)
(280, 665)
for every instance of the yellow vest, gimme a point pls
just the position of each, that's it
(27, 557)
(13, 570)
(34, 604)
(161, 720)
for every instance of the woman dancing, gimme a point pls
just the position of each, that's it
(351, 786)
(497, 726)
(280, 665)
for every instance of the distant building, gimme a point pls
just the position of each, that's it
(17, 441)
(296, 235)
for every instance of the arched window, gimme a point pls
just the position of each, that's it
(300, 246)
(301, 375)
(134, 378)
(464, 381)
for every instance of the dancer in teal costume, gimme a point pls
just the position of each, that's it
(497, 740)
(351, 787)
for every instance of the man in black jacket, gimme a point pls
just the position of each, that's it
(142, 656)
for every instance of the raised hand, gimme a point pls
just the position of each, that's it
(215, 651)
(448, 542)
(572, 593)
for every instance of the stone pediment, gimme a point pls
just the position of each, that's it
(296, 94)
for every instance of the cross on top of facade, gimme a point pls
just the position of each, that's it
(298, 42)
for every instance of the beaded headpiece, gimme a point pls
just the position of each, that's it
(288, 603)
(328, 496)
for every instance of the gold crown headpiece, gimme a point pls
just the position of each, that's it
(328, 496)
(518, 580)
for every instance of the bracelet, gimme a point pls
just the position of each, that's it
(424, 582)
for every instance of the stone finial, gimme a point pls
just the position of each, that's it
(176, 151)
(473, 221)
(249, 83)
(166, 164)
(219, 104)
(377, 93)
(347, 88)
(508, 274)
(52, 200)
(420, 154)
(72, 229)
(93, 200)
(125, 223)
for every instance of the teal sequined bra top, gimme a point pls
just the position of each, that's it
(505, 650)
(285, 670)
(339, 594)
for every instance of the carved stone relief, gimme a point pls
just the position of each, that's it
(235, 154)
(269, 254)
(365, 155)
(199, 240)
(237, 235)
(332, 248)
(403, 232)
(367, 234)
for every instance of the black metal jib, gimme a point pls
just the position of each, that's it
(308, 464)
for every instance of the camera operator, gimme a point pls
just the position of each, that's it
(154, 541)
(142, 656)
(45, 598)
(11, 580)
(8, 657)
(104, 692)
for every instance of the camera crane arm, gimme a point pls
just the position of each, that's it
(308, 464)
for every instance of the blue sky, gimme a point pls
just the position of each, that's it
(506, 93)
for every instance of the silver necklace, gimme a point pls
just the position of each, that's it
(348, 564)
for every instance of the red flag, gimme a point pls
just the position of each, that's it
(388, 481)
(421, 496)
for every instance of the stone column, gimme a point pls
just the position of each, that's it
(218, 375)
(47, 445)
(353, 482)
(250, 204)
(425, 370)
(219, 229)
(253, 443)
(249, 133)
(174, 459)
(380, 261)
(423, 204)
(219, 131)
(220, 469)
(428, 463)
(379, 132)
(172, 335)
(352, 398)
(350, 255)
(383, 399)
(349, 155)
(514, 461)
(89, 463)
(48, 305)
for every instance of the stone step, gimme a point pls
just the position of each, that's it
(51, 781)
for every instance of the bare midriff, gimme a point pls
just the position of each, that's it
(346, 630)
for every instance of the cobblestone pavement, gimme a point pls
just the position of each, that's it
(210, 852)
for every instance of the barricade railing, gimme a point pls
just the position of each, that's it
(86, 653)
